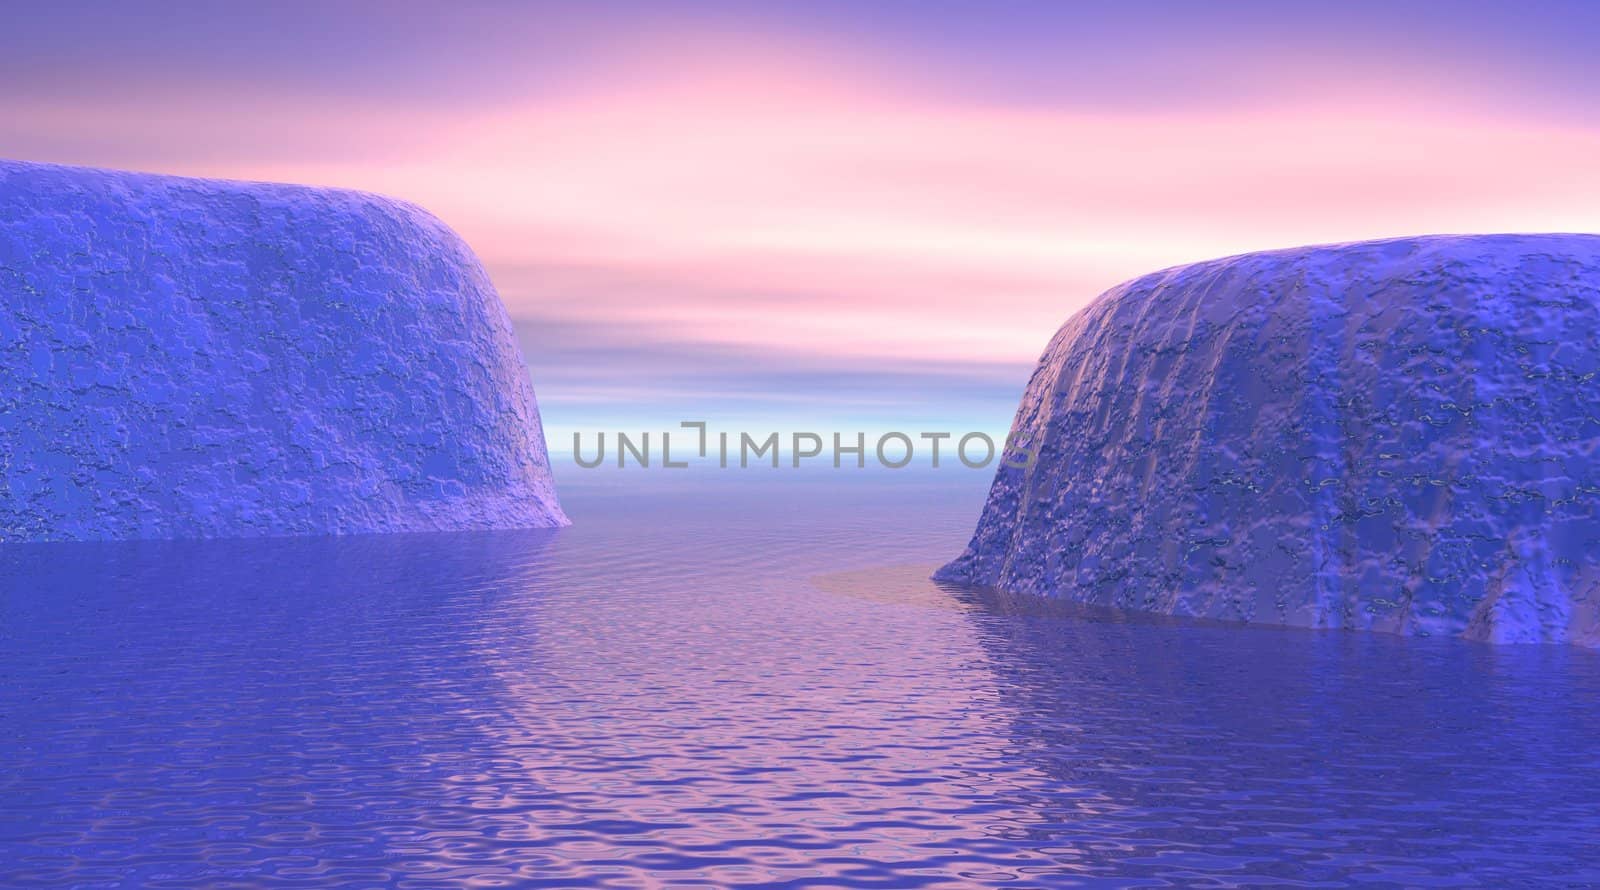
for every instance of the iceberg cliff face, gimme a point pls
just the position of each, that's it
(194, 358)
(1397, 435)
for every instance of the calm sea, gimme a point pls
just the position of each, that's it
(743, 679)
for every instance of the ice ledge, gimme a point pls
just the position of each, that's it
(199, 358)
(1397, 435)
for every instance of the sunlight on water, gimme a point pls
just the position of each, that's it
(742, 683)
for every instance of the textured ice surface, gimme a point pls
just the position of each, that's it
(1397, 435)
(194, 358)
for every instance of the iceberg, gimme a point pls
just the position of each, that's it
(1398, 436)
(187, 358)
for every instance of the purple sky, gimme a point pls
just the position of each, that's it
(835, 215)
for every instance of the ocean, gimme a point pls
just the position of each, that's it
(744, 678)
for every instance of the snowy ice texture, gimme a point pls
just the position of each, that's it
(1398, 435)
(192, 358)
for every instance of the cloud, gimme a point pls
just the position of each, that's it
(735, 215)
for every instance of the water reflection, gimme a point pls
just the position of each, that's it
(1232, 755)
(759, 691)
(253, 712)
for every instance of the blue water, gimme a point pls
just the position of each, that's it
(743, 681)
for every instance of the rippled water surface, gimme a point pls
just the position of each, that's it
(743, 682)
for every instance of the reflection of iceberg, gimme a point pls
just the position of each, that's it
(248, 698)
(1185, 753)
(1396, 435)
(192, 358)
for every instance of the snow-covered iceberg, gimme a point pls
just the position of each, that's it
(196, 358)
(1397, 435)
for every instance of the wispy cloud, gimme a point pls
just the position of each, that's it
(781, 215)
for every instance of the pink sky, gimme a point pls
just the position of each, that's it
(814, 207)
